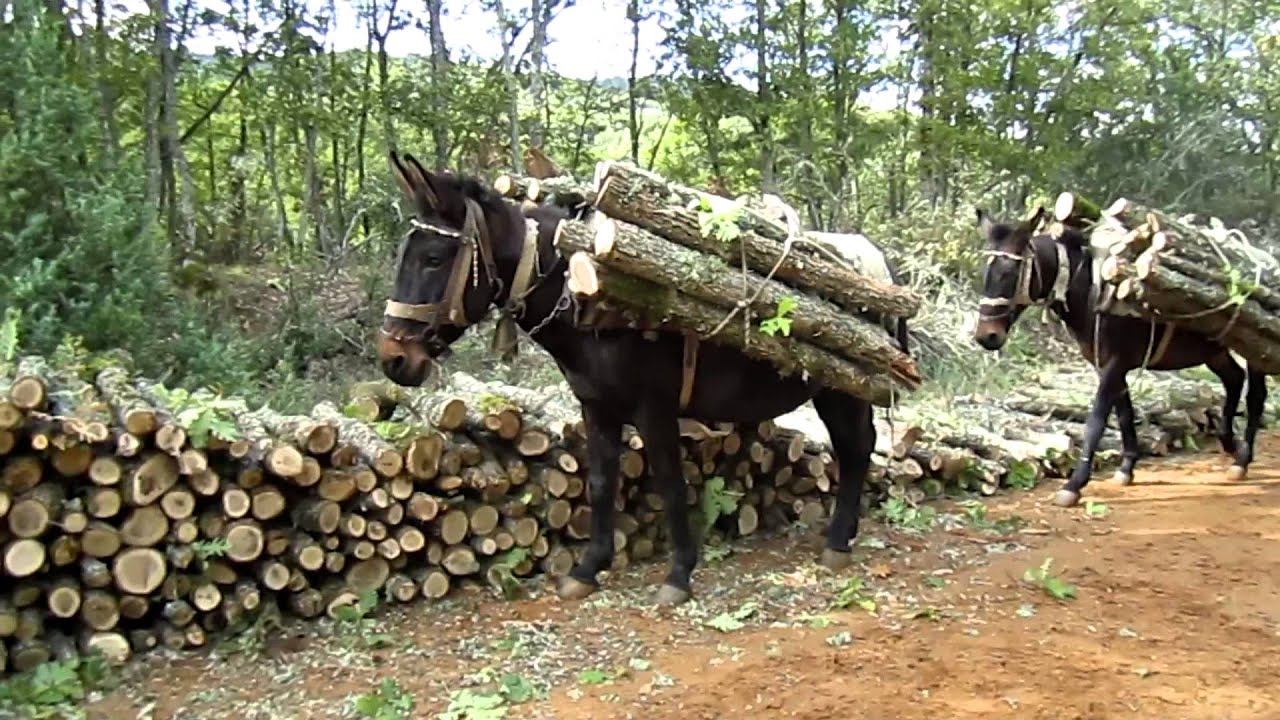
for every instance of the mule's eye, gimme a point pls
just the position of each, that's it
(431, 262)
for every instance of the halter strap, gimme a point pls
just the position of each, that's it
(1022, 293)
(476, 241)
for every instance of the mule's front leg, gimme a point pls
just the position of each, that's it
(1128, 438)
(1110, 384)
(604, 447)
(853, 437)
(1255, 403)
(661, 432)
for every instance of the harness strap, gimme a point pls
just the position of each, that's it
(1163, 347)
(526, 268)
(689, 368)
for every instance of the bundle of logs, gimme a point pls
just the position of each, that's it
(648, 253)
(1191, 271)
(134, 516)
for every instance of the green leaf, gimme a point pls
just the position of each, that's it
(594, 676)
(517, 689)
(728, 622)
(1096, 509)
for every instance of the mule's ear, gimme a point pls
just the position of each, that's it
(430, 187)
(984, 222)
(402, 177)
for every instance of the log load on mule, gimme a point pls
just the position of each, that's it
(1192, 272)
(658, 255)
(1114, 277)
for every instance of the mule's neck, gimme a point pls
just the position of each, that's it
(1076, 310)
(542, 315)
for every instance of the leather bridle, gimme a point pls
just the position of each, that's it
(1028, 269)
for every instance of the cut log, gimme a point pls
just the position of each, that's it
(30, 387)
(144, 527)
(155, 476)
(127, 404)
(23, 558)
(378, 453)
(138, 571)
(642, 198)
(640, 299)
(635, 251)
(34, 512)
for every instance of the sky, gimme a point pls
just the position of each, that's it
(589, 38)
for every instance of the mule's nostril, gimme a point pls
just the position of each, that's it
(394, 365)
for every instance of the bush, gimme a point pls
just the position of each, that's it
(81, 255)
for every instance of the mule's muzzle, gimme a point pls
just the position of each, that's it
(990, 335)
(404, 361)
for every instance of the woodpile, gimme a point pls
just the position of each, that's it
(1191, 271)
(134, 516)
(653, 254)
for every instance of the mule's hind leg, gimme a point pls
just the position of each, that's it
(853, 437)
(659, 427)
(604, 449)
(1254, 405)
(1128, 438)
(1232, 377)
(1111, 383)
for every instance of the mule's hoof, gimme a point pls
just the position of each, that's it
(670, 595)
(1236, 473)
(1122, 478)
(571, 588)
(835, 560)
(1066, 498)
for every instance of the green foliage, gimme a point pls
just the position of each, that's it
(1022, 475)
(594, 676)
(390, 702)
(781, 320)
(730, 621)
(468, 704)
(715, 502)
(203, 414)
(719, 222)
(1053, 585)
(211, 548)
(9, 329)
(901, 513)
(54, 689)
(854, 593)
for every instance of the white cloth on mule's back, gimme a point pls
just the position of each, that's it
(855, 248)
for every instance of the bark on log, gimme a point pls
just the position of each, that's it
(635, 251)
(675, 311)
(377, 452)
(642, 198)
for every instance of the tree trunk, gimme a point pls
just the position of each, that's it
(633, 113)
(439, 82)
(540, 12)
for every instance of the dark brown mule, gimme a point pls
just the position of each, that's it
(1024, 269)
(464, 253)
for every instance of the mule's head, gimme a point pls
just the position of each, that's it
(445, 275)
(1006, 281)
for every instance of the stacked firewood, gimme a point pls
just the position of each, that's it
(133, 516)
(1192, 271)
(650, 253)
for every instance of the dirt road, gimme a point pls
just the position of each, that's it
(1176, 614)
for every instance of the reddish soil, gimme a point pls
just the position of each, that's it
(1177, 615)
